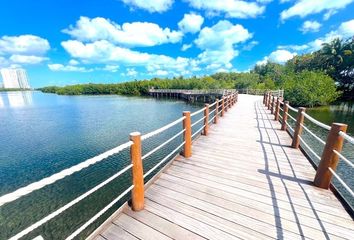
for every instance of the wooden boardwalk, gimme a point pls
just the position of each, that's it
(244, 181)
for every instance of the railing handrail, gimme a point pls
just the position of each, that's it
(334, 147)
(194, 91)
(10, 197)
(23, 191)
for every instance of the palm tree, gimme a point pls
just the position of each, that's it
(333, 52)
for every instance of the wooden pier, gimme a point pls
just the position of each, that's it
(243, 181)
(246, 175)
(205, 96)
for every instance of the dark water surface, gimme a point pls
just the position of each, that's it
(41, 134)
(341, 112)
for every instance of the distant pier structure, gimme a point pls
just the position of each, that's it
(209, 95)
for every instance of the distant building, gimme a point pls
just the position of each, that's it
(14, 78)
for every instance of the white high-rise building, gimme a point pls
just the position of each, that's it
(14, 78)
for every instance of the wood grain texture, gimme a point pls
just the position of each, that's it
(243, 181)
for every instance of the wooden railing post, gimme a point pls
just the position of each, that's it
(265, 98)
(269, 100)
(226, 103)
(277, 109)
(222, 106)
(137, 172)
(329, 159)
(298, 128)
(187, 150)
(285, 115)
(272, 107)
(216, 111)
(206, 120)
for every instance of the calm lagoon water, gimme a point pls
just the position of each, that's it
(41, 134)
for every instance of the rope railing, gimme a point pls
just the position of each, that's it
(163, 160)
(100, 213)
(68, 205)
(10, 197)
(309, 148)
(331, 153)
(318, 123)
(292, 118)
(195, 123)
(160, 130)
(313, 134)
(197, 112)
(198, 131)
(344, 158)
(341, 181)
(347, 137)
(162, 145)
(136, 166)
(291, 108)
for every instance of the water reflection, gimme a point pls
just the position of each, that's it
(15, 99)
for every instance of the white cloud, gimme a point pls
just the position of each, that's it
(23, 49)
(161, 73)
(191, 23)
(3, 62)
(218, 42)
(303, 8)
(131, 72)
(25, 59)
(310, 26)
(56, 67)
(263, 61)
(74, 62)
(185, 47)
(250, 45)
(279, 56)
(24, 44)
(110, 68)
(264, 1)
(222, 35)
(231, 8)
(345, 30)
(150, 5)
(105, 52)
(141, 34)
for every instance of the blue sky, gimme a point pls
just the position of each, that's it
(68, 42)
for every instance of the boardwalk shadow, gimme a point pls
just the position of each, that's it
(268, 142)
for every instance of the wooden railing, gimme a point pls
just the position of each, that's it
(135, 144)
(278, 93)
(333, 145)
(195, 91)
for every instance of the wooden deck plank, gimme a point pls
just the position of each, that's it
(264, 204)
(138, 229)
(114, 232)
(162, 225)
(243, 181)
(289, 222)
(207, 229)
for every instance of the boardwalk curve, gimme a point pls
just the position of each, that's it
(243, 181)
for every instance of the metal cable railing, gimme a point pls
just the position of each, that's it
(10, 197)
(327, 158)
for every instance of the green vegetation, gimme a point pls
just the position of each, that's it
(312, 79)
(13, 89)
